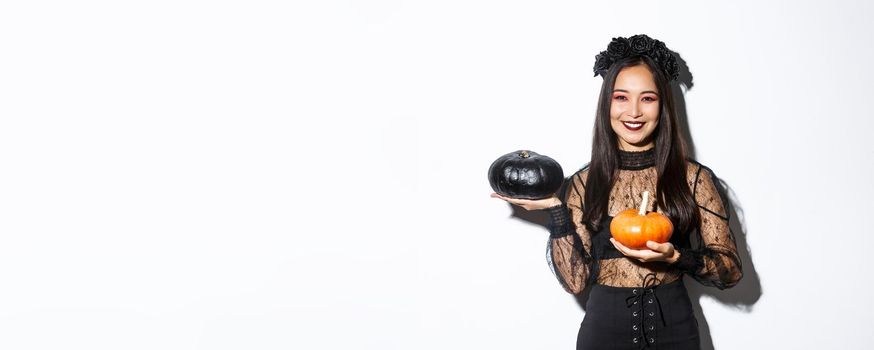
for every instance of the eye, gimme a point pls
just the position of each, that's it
(619, 97)
(648, 98)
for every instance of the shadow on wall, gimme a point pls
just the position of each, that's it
(741, 297)
(748, 291)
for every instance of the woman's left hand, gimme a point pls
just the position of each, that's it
(656, 252)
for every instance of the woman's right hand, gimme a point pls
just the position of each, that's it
(530, 204)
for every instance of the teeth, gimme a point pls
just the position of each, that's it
(633, 125)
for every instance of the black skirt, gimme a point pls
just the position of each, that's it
(658, 317)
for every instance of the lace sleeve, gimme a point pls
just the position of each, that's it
(713, 261)
(569, 241)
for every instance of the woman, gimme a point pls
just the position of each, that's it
(638, 298)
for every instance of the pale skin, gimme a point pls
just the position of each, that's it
(635, 99)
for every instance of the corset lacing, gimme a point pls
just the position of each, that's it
(644, 329)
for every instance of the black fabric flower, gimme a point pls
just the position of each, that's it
(660, 53)
(637, 45)
(672, 68)
(659, 46)
(602, 63)
(618, 48)
(640, 43)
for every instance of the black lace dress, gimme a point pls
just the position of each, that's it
(634, 305)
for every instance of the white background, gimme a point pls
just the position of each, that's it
(275, 175)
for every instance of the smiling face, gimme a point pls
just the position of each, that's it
(634, 108)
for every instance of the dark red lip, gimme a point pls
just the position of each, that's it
(633, 129)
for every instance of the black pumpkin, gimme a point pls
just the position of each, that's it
(525, 175)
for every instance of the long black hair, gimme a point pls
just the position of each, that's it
(672, 190)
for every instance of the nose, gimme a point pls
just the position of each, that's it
(634, 109)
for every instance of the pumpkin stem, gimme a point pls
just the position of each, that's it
(524, 154)
(643, 204)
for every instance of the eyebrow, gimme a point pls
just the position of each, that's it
(643, 92)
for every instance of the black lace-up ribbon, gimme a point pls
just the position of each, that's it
(645, 295)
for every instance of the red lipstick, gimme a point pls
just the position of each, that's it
(633, 128)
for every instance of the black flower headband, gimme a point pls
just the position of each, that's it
(637, 45)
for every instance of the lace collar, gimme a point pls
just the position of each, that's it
(631, 160)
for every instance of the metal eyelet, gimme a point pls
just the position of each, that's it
(635, 340)
(634, 291)
(634, 313)
(651, 313)
(634, 327)
(635, 302)
(651, 327)
(652, 340)
(650, 301)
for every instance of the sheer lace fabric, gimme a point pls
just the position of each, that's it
(710, 256)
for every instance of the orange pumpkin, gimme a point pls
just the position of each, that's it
(633, 227)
